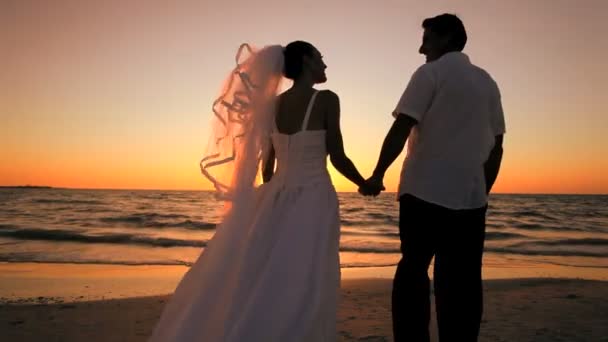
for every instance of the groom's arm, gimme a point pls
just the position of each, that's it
(393, 144)
(413, 104)
(492, 165)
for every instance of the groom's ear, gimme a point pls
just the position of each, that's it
(445, 42)
(448, 42)
(306, 60)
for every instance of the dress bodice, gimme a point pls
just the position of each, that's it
(302, 156)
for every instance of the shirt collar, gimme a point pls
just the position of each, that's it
(456, 55)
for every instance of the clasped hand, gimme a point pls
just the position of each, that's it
(372, 187)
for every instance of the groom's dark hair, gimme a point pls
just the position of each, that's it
(294, 54)
(448, 25)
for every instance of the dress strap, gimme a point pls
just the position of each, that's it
(308, 110)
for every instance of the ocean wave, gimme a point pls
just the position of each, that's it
(66, 201)
(503, 236)
(489, 235)
(541, 226)
(366, 265)
(544, 252)
(58, 260)
(27, 257)
(369, 233)
(122, 238)
(351, 210)
(383, 217)
(141, 217)
(154, 220)
(536, 228)
(569, 242)
(8, 243)
(371, 249)
(189, 224)
(19, 257)
(574, 265)
(519, 249)
(525, 214)
(531, 248)
(363, 223)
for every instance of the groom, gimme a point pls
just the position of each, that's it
(452, 114)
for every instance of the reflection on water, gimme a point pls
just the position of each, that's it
(525, 233)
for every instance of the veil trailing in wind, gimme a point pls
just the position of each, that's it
(270, 272)
(241, 124)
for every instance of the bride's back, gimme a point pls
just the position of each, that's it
(292, 108)
(300, 149)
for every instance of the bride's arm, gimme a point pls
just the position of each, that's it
(335, 145)
(268, 169)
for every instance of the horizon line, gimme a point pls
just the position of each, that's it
(211, 190)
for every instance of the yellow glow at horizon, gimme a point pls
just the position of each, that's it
(117, 94)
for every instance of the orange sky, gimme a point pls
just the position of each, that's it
(117, 94)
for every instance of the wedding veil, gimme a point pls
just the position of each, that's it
(241, 124)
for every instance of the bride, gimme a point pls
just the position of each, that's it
(272, 270)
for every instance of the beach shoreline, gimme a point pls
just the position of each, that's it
(46, 283)
(537, 309)
(104, 302)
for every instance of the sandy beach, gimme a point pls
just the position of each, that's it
(515, 310)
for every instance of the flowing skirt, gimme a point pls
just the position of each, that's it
(271, 275)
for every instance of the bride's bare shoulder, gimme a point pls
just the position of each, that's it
(329, 99)
(328, 93)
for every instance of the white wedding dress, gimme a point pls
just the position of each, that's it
(279, 279)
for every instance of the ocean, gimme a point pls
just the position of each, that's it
(154, 227)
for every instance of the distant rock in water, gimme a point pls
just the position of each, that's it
(26, 187)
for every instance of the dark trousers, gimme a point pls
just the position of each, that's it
(455, 238)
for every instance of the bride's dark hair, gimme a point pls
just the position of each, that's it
(294, 53)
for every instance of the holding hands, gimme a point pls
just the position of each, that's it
(372, 186)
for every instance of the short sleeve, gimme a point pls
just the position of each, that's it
(418, 95)
(498, 116)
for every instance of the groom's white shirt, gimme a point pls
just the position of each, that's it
(459, 112)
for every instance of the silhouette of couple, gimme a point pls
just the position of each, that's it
(272, 270)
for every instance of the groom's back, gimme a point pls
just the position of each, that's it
(455, 131)
(465, 113)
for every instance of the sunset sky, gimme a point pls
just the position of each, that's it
(117, 94)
